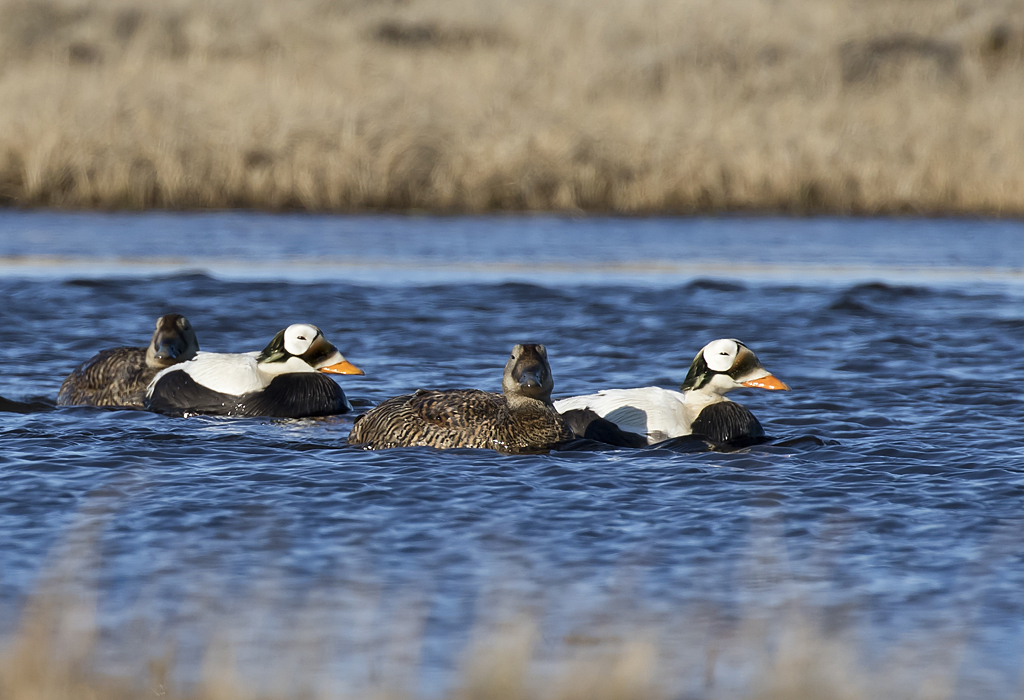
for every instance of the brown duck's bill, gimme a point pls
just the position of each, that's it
(766, 382)
(343, 367)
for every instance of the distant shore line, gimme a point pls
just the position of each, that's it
(896, 210)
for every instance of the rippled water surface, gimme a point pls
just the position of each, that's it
(892, 496)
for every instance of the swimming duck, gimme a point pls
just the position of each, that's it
(520, 419)
(119, 376)
(284, 380)
(700, 407)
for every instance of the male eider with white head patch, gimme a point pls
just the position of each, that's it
(285, 380)
(700, 407)
(520, 419)
(119, 376)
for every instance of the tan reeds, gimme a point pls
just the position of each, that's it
(475, 106)
(54, 657)
(351, 642)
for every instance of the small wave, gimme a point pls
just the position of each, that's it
(714, 285)
(805, 441)
(889, 291)
(24, 407)
(187, 276)
(866, 297)
(851, 305)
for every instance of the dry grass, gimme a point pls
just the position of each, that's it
(53, 657)
(861, 106)
(60, 652)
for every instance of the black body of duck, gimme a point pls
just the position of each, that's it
(284, 380)
(520, 419)
(119, 376)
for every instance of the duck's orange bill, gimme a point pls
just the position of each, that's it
(766, 382)
(343, 367)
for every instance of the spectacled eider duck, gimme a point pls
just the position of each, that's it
(284, 380)
(119, 376)
(699, 408)
(520, 419)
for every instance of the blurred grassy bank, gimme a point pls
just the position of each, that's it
(648, 106)
(60, 654)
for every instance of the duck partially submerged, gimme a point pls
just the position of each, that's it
(119, 376)
(520, 419)
(285, 380)
(699, 408)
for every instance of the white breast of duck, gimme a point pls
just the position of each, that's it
(660, 414)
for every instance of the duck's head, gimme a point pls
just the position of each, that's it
(173, 341)
(726, 364)
(303, 348)
(527, 373)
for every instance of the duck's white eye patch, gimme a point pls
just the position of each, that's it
(720, 354)
(297, 338)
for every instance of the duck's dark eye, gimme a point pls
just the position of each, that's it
(302, 337)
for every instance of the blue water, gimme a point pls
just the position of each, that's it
(890, 502)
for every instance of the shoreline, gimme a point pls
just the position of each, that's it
(894, 213)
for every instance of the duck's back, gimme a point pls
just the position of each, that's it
(460, 418)
(226, 373)
(653, 412)
(115, 377)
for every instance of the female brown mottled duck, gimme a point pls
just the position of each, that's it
(520, 419)
(119, 376)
